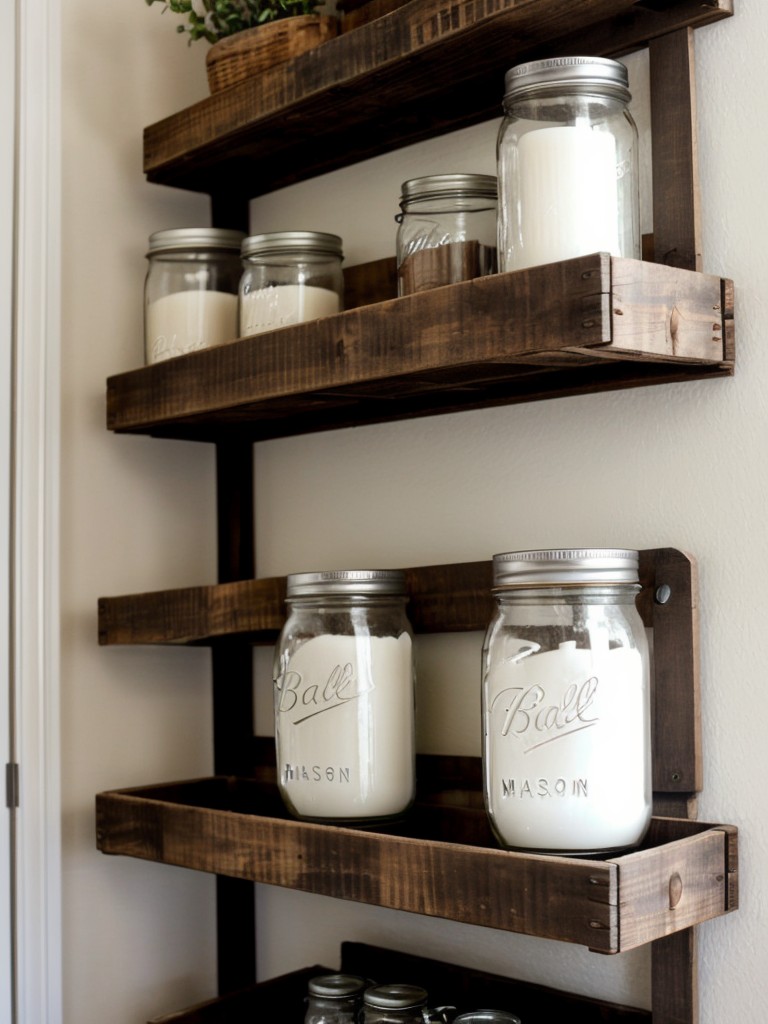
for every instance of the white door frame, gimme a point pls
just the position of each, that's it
(33, 551)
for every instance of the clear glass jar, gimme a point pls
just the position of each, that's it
(401, 1004)
(289, 277)
(446, 230)
(335, 999)
(567, 163)
(190, 291)
(566, 703)
(344, 697)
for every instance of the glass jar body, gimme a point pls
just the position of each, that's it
(190, 301)
(568, 178)
(446, 231)
(566, 719)
(282, 288)
(344, 708)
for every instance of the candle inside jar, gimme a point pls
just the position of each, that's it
(565, 737)
(568, 196)
(279, 305)
(344, 727)
(189, 320)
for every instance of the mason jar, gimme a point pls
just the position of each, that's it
(567, 163)
(401, 1004)
(190, 291)
(334, 999)
(446, 230)
(289, 277)
(566, 702)
(344, 697)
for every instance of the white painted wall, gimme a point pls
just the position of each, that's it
(680, 465)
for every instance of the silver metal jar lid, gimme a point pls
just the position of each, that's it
(565, 565)
(346, 581)
(558, 74)
(276, 243)
(395, 997)
(189, 239)
(444, 186)
(336, 986)
(487, 1017)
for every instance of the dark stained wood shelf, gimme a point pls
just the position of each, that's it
(429, 67)
(583, 325)
(440, 861)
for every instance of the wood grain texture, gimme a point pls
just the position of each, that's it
(577, 326)
(440, 862)
(428, 67)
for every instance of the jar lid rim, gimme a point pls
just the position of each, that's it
(345, 581)
(601, 73)
(336, 986)
(554, 565)
(274, 242)
(395, 997)
(445, 185)
(179, 239)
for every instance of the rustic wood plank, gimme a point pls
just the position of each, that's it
(675, 172)
(430, 66)
(508, 337)
(674, 969)
(440, 862)
(372, 282)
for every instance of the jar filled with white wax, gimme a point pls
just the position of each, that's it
(568, 166)
(566, 703)
(344, 697)
(289, 277)
(190, 292)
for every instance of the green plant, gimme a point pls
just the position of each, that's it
(214, 19)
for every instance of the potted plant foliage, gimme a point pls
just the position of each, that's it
(249, 36)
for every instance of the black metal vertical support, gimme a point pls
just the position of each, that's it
(232, 667)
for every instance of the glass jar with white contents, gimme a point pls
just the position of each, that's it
(190, 292)
(289, 277)
(344, 697)
(567, 163)
(566, 703)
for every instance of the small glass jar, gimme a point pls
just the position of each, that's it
(344, 697)
(566, 703)
(289, 277)
(446, 230)
(401, 1004)
(190, 292)
(567, 163)
(335, 999)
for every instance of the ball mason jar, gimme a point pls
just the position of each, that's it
(568, 168)
(566, 703)
(344, 697)
(334, 999)
(190, 291)
(289, 277)
(446, 230)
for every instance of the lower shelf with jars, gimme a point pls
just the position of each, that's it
(447, 984)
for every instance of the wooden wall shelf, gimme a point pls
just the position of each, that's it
(429, 67)
(583, 325)
(238, 828)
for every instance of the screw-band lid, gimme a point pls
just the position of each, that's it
(189, 239)
(275, 243)
(449, 186)
(346, 581)
(558, 74)
(395, 997)
(336, 986)
(565, 565)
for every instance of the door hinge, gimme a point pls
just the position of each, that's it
(12, 785)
